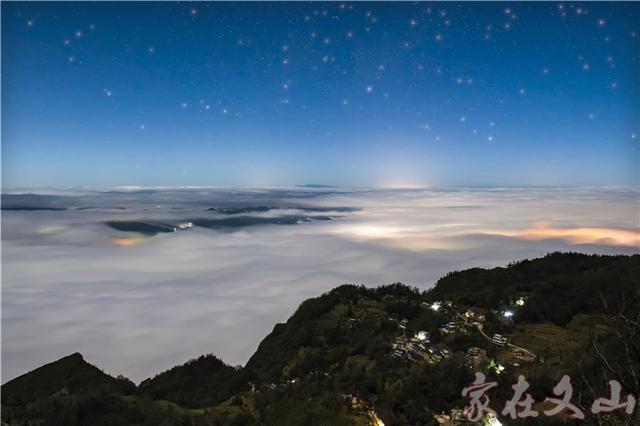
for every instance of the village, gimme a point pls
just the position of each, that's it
(458, 320)
(463, 320)
(419, 347)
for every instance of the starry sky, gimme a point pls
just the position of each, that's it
(352, 94)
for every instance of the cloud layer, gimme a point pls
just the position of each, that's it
(142, 307)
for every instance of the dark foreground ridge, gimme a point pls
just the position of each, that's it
(390, 355)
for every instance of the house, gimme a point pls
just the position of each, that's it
(523, 355)
(454, 418)
(498, 340)
(422, 335)
(475, 314)
(475, 358)
(436, 353)
(473, 351)
(448, 327)
(184, 226)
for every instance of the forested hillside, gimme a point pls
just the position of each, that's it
(391, 355)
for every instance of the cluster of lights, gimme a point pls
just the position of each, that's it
(496, 366)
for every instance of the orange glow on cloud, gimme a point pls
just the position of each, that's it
(422, 239)
(608, 236)
(126, 242)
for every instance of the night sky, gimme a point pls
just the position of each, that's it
(355, 94)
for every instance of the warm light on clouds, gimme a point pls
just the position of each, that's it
(127, 242)
(580, 235)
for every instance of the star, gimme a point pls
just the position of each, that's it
(107, 92)
(490, 138)
(601, 22)
(369, 89)
(30, 23)
(78, 34)
(184, 105)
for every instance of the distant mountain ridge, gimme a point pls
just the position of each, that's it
(357, 355)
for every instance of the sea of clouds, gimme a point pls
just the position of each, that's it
(137, 304)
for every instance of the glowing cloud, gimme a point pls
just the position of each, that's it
(580, 235)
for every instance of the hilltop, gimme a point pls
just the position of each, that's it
(391, 355)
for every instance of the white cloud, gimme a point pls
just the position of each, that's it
(140, 309)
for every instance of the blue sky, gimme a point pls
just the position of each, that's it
(355, 94)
